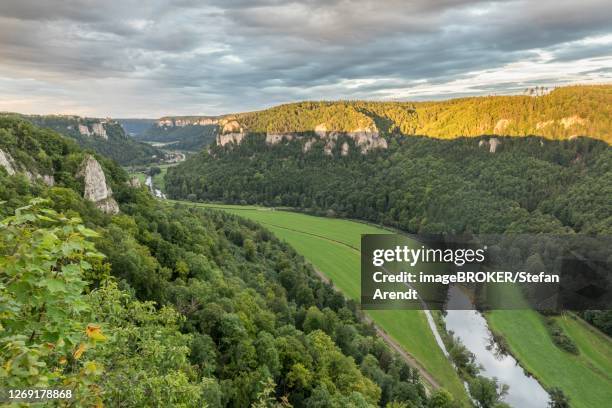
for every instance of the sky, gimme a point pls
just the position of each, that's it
(136, 58)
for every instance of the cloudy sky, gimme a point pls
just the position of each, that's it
(136, 58)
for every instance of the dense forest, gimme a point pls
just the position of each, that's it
(561, 114)
(170, 306)
(116, 145)
(420, 185)
(188, 137)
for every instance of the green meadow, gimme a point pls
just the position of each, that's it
(585, 378)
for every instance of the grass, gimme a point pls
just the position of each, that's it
(332, 246)
(584, 378)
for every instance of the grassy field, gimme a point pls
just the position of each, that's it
(332, 246)
(585, 378)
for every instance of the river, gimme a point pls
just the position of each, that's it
(471, 328)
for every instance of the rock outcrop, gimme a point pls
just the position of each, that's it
(134, 182)
(308, 145)
(12, 168)
(96, 189)
(492, 143)
(99, 130)
(235, 138)
(366, 138)
(276, 138)
(345, 149)
(183, 121)
(84, 130)
(6, 161)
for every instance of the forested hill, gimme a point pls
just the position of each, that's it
(419, 184)
(195, 307)
(104, 136)
(561, 114)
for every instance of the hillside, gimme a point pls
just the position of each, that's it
(104, 136)
(199, 307)
(188, 137)
(561, 114)
(482, 185)
(181, 132)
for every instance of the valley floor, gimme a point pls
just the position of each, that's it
(332, 247)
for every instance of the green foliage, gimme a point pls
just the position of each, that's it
(558, 399)
(210, 311)
(117, 146)
(559, 337)
(419, 184)
(567, 111)
(487, 393)
(190, 137)
(146, 355)
(44, 336)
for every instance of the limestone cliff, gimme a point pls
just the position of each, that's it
(223, 139)
(492, 144)
(7, 162)
(366, 138)
(11, 167)
(96, 189)
(99, 130)
(183, 121)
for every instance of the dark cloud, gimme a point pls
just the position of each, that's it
(133, 57)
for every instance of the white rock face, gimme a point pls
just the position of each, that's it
(329, 146)
(493, 143)
(308, 145)
(182, 122)
(134, 182)
(96, 189)
(48, 180)
(7, 162)
(345, 149)
(98, 130)
(276, 138)
(84, 130)
(367, 138)
(223, 139)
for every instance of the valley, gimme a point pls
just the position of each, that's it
(332, 246)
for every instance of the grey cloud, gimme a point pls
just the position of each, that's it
(185, 56)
